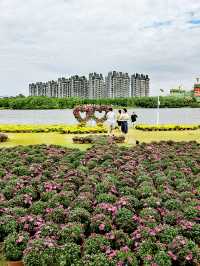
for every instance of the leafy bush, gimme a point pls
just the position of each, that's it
(8, 225)
(70, 255)
(3, 137)
(41, 252)
(56, 215)
(126, 257)
(103, 197)
(79, 215)
(95, 244)
(163, 259)
(38, 207)
(124, 220)
(96, 260)
(14, 245)
(72, 232)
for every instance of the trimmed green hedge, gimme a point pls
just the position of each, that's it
(166, 127)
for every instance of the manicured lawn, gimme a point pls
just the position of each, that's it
(66, 139)
(41, 138)
(143, 136)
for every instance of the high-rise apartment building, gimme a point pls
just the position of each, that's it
(38, 89)
(96, 86)
(52, 89)
(139, 85)
(117, 85)
(32, 89)
(79, 86)
(64, 88)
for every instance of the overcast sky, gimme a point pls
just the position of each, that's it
(41, 40)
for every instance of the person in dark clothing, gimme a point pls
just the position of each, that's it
(124, 121)
(133, 118)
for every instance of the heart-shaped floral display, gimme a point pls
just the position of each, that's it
(89, 111)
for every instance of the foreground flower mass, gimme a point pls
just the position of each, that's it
(108, 206)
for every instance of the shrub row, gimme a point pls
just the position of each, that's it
(63, 129)
(99, 139)
(166, 127)
(107, 206)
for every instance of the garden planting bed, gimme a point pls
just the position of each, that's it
(63, 129)
(107, 206)
(94, 139)
(166, 127)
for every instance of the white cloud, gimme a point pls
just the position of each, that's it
(45, 39)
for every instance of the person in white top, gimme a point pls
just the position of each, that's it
(124, 121)
(111, 119)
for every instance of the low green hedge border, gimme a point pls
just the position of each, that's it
(166, 127)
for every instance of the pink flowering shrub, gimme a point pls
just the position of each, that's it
(109, 205)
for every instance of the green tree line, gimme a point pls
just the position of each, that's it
(63, 103)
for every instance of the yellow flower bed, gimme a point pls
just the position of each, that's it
(63, 129)
(166, 127)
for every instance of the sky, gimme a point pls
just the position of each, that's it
(42, 40)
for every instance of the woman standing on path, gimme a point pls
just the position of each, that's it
(111, 119)
(118, 119)
(124, 121)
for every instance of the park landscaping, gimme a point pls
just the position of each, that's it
(109, 205)
(166, 127)
(15, 139)
(62, 129)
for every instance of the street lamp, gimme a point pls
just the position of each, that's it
(158, 107)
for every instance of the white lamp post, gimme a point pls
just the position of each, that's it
(158, 108)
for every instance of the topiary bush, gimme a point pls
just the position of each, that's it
(3, 137)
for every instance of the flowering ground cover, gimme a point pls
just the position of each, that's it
(108, 205)
(63, 129)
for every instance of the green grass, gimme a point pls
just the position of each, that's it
(66, 139)
(146, 136)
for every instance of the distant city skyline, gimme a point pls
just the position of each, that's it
(114, 85)
(157, 37)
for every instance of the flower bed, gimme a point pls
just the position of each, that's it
(166, 127)
(3, 137)
(95, 139)
(107, 206)
(52, 128)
